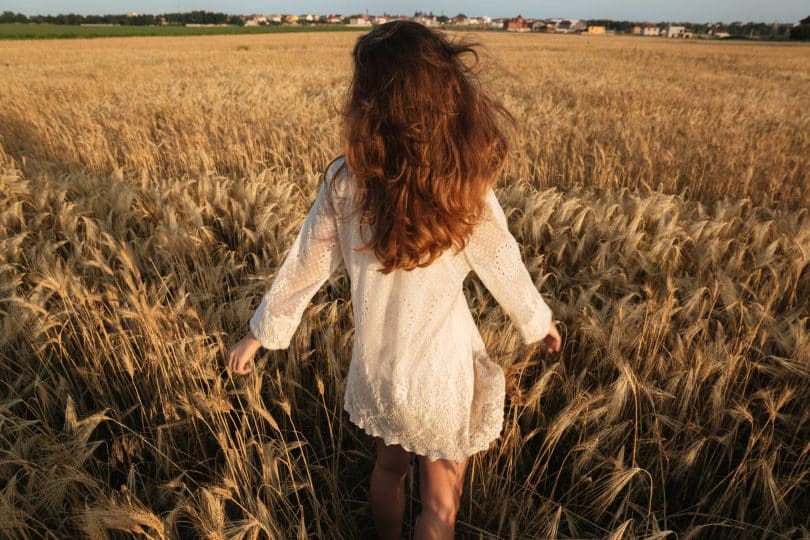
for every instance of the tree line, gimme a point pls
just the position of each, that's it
(735, 29)
(191, 17)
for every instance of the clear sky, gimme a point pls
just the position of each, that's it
(785, 11)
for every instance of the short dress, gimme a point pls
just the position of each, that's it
(419, 374)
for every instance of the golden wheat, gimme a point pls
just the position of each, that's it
(659, 191)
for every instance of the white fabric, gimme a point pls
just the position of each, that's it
(419, 374)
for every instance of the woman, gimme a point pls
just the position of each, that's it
(410, 210)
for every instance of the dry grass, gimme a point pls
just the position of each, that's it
(151, 186)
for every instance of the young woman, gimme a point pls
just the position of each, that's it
(410, 210)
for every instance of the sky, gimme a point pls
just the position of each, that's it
(783, 11)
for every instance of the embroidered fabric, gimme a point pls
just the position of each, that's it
(419, 374)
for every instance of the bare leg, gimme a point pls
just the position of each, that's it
(440, 485)
(388, 488)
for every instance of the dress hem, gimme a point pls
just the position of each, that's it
(389, 438)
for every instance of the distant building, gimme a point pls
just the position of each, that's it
(255, 19)
(596, 29)
(675, 31)
(719, 32)
(539, 26)
(650, 30)
(334, 19)
(291, 19)
(359, 20)
(275, 17)
(518, 24)
(566, 26)
(426, 20)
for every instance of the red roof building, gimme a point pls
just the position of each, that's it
(518, 24)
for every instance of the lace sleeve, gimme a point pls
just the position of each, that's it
(313, 257)
(494, 255)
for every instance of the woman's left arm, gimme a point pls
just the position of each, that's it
(314, 255)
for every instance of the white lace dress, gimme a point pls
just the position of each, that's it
(419, 374)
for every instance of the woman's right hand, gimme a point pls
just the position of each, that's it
(241, 354)
(552, 341)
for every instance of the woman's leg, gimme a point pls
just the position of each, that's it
(440, 485)
(388, 488)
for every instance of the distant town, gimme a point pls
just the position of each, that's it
(518, 23)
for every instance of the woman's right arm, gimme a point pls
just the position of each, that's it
(494, 255)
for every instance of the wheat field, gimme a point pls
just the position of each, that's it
(151, 186)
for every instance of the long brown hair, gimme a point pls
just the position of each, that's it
(422, 140)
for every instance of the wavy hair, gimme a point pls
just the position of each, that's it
(422, 140)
